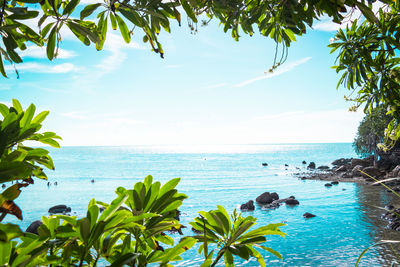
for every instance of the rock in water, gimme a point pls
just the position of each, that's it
(264, 198)
(335, 182)
(292, 202)
(304, 162)
(32, 228)
(59, 209)
(308, 215)
(264, 164)
(311, 166)
(248, 206)
(275, 196)
(328, 184)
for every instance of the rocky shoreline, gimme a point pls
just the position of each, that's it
(360, 171)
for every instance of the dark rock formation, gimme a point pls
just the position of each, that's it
(292, 202)
(362, 162)
(248, 206)
(59, 209)
(372, 171)
(304, 162)
(264, 164)
(286, 165)
(264, 198)
(275, 196)
(335, 182)
(33, 227)
(328, 184)
(308, 215)
(323, 168)
(311, 166)
(341, 162)
(356, 170)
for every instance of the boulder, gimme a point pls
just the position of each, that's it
(248, 206)
(286, 165)
(292, 202)
(308, 215)
(264, 198)
(362, 162)
(341, 162)
(356, 170)
(311, 165)
(33, 227)
(347, 175)
(275, 196)
(335, 182)
(264, 164)
(304, 162)
(328, 185)
(59, 209)
(372, 171)
(323, 168)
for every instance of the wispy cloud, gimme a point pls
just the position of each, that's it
(43, 68)
(281, 70)
(214, 86)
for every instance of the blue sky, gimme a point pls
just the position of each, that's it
(209, 89)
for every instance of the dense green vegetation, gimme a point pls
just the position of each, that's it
(371, 132)
(132, 230)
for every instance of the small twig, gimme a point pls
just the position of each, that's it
(2, 216)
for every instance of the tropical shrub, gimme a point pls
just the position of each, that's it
(18, 161)
(132, 230)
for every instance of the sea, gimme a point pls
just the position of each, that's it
(348, 218)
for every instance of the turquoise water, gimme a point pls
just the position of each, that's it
(230, 175)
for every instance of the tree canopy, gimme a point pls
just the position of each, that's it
(366, 49)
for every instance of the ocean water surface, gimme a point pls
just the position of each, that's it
(230, 175)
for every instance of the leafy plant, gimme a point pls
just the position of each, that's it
(17, 161)
(231, 237)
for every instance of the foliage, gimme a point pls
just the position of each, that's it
(17, 161)
(232, 236)
(369, 63)
(371, 132)
(131, 231)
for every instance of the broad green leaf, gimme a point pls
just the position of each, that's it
(51, 43)
(113, 21)
(40, 117)
(88, 10)
(123, 29)
(228, 259)
(28, 115)
(17, 105)
(9, 231)
(70, 7)
(113, 207)
(2, 70)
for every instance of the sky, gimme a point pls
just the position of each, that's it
(209, 89)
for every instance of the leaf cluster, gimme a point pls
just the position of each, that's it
(17, 161)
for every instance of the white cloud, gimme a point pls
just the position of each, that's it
(214, 86)
(40, 52)
(43, 68)
(286, 67)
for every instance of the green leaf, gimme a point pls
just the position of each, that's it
(2, 70)
(367, 12)
(28, 115)
(4, 110)
(17, 105)
(9, 231)
(228, 259)
(171, 184)
(70, 7)
(51, 43)
(123, 29)
(113, 21)
(88, 10)
(84, 229)
(124, 259)
(113, 207)
(188, 10)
